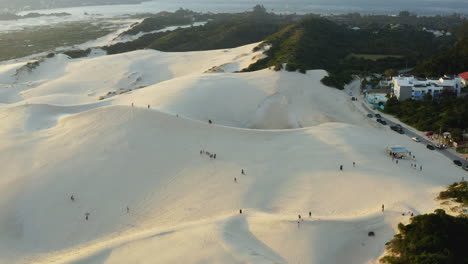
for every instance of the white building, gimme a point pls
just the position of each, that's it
(410, 87)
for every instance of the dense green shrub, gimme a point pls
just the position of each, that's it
(435, 238)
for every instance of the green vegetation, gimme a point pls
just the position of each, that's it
(435, 238)
(41, 39)
(457, 191)
(449, 114)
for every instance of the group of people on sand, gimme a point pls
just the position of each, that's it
(211, 155)
(87, 214)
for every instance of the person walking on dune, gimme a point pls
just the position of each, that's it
(72, 198)
(87, 216)
(341, 167)
(310, 214)
(242, 172)
(383, 208)
(420, 168)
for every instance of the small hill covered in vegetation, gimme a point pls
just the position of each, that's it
(223, 31)
(319, 43)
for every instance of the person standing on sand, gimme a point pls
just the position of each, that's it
(148, 106)
(383, 208)
(354, 164)
(235, 179)
(87, 216)
(310, 214)
(214, 156)
(242, 172)
(132, 104)
(72, 198)
(240, 211)
(341, 167)
(128, 210)
(420, 168)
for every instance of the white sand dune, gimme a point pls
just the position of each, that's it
(57, 139)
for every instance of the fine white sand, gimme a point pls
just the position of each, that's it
(58, 139)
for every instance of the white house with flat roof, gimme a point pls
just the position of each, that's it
(410, 87)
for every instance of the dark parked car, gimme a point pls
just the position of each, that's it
(369, 115)
(378, 116)
(383, 122)
(457, 162)
(379, 120)
(401, 131)
(429, 146)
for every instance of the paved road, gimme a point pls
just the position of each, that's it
(409, 133)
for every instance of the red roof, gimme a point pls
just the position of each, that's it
(464, 75)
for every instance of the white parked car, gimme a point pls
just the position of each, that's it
(416, 139)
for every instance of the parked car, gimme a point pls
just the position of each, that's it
(415, 139)
(429, 133)
(379, 120)
(429, 146)
(378, 116)
(401, 131)
(465, 167)
(457, 162)
(383, 122)
(369, 115)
